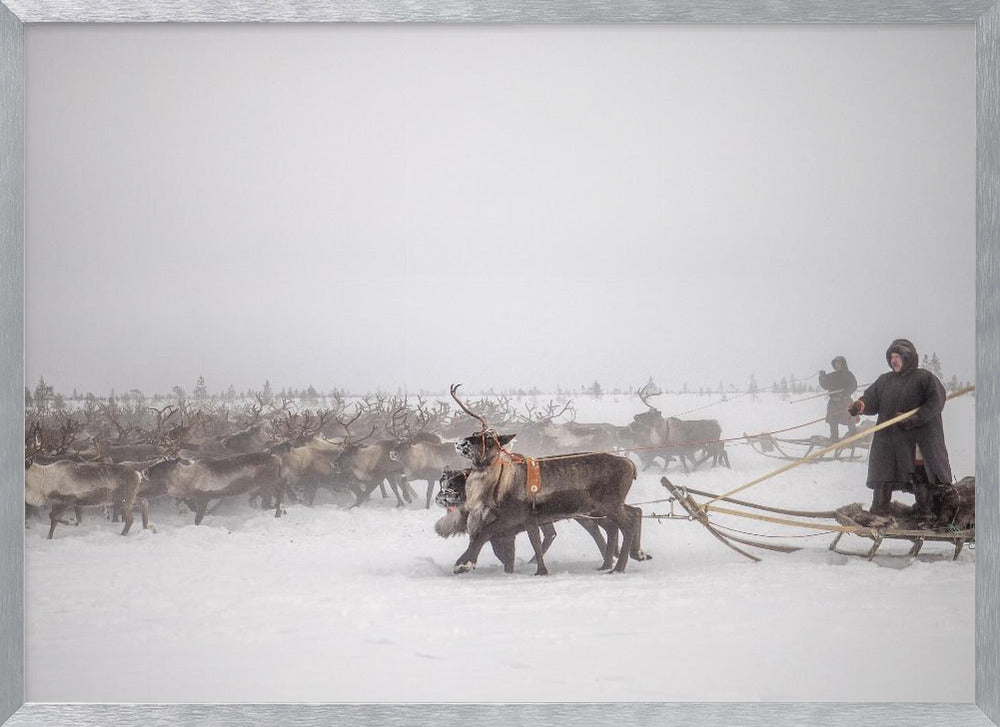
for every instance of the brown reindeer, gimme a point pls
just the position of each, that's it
(425, 456)
(651, 435)
(308, 463)
(67, 484)
(363, 467)
(452, 497)
(697, 440)
(251, 439)
(200, 481)
(583, 485)
(422, 454)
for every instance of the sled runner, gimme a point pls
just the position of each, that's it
(795, 449)
(897, 527)
(956, 527)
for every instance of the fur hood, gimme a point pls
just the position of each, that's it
(842, 360)
(906, 350)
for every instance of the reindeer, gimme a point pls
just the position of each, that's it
(422, 454)
(694, 437)
(693, 441)
(251, 439)
(425, 456)
(308, 462)
(582, 485)
(451, 496)
(197, 482)
(367, 466)
(648, 434)
(67, 484)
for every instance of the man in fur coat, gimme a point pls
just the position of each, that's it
(910, 455)
(841, 384)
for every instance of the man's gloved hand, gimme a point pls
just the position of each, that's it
(912, 423)
(856, 408)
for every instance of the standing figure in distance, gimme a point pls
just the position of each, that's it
(911, 455)
(841, 385)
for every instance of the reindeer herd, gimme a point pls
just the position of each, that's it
(120, 455)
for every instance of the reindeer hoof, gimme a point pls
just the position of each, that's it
(542, 572)
(463, 567)
(641, 555)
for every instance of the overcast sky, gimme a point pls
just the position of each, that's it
(389, 206)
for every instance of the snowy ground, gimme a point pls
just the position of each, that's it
(360, 605)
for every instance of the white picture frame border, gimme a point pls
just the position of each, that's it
(985, 14)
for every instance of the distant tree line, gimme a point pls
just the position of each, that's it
(44, 397)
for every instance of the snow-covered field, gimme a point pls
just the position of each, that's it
(330, 604)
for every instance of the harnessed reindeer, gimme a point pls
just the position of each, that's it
(507, 493)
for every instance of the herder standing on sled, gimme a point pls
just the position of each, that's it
(910, 455)
(841, 384)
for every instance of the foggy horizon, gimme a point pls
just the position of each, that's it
(365, 207)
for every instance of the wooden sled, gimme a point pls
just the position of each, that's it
(879, 529)
(796, 449)
(853, 519)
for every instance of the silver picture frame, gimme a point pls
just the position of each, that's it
(984, 14)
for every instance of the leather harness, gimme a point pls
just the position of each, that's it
(533, 481)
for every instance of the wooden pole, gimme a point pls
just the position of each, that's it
(836, 445)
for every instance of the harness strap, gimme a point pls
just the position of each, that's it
(496, 486)
(533, 482)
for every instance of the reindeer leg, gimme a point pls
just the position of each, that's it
(503, 549)
(399, 482)
(611, 546)
(291, 493)
(624, 520)
(549, 533)
(279, 490)
(78, 511)
(467, 560)
(408, 492)
(127, 516)
(201, 507)
(310, 492)
(54, 514)
(430, 492)
(395, 491)
(363, 492)
(381, 487)
(144, 508)
(536, 544)
(636, 552)
(595, 532)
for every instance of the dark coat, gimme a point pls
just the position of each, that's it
(841, 384)
(893, 450)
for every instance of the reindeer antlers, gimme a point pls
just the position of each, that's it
(645, 397)
(467, 410)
